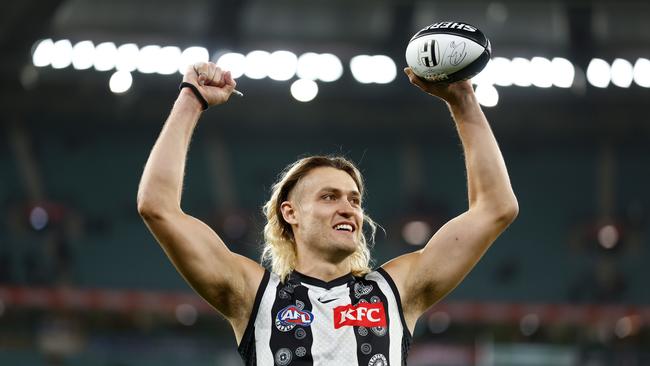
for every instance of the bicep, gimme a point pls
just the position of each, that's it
(221, 277)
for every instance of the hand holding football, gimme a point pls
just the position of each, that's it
(448, 52)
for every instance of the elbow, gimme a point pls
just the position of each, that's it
(503, 211)
(146, 209)
(151, 209)
(507, 211)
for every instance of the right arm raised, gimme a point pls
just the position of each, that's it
(226, 280)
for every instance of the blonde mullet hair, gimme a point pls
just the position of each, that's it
(280, 251)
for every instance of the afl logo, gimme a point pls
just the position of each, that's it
(289, 317)
(428, 52)
(378, 360)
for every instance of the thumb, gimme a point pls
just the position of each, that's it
(409, 73)
(414, 79)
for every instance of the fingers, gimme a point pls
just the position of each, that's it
(414, 79)
(229, 80)
(205, 72)
(208, 73)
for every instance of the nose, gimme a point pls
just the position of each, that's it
(346, 209)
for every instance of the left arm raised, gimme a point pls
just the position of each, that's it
(425, 276)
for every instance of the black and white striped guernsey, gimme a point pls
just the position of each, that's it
(345, 322)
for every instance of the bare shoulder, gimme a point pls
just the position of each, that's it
(398, 269)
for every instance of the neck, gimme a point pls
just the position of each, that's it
(318, 267)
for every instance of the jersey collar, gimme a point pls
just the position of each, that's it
(296, 276)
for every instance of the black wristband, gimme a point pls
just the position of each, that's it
(196, 92)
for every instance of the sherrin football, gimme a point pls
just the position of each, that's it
(448, 52)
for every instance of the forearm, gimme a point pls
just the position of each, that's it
(162, 180)
(488, 182)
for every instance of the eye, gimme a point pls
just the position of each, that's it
(328, 197)
(355, 201)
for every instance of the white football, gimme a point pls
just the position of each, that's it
(448, 52)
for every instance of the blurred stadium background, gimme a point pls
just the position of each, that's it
(87, 84)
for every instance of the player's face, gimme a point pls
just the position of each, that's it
(328, 212)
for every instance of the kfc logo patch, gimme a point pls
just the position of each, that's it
(361, 315)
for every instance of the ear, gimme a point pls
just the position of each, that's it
(288, 212)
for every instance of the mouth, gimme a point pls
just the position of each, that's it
(345, 227)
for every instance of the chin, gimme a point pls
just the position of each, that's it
(348, 247)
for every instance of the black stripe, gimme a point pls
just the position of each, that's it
(246, 346)
(292, 346)
(370, 341)
(407, 337)
(398, 299)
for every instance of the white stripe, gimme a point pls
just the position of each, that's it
(395, 328)
(331, 346)
(263, 323)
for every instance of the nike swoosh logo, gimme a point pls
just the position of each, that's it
(326, 301)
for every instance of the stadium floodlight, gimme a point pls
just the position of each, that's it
(308, 66)
(378, 69)
(120, 82)
(541, 69)
(384, 68)
(521, 74)
(168, 59)
(622, 73)
(304, 90)
(127, 57)
(148, 59)
(42, 55)
(501, 70)
(62, 54)
(598, 73)
(329, 67)
(233, 62)
(257, 64)
(190, 56)
(282, 65)
(105, 56)
(83, 55)
(487, 95)
(642, 72)
(361, 69)
(563, 72)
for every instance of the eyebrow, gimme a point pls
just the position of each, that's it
(338, 191)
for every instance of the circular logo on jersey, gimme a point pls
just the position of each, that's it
(366, 348)
(301, 351)
(361, 289)
(283, 327)
(375, 299)
(289, 317)
(300, 333)
(363, 331)
(288, 288)
(283, 356)
(378, 360)
(379, 331)
(300, 305)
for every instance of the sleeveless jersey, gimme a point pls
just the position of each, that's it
(306, 321)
